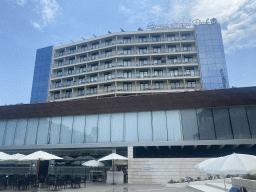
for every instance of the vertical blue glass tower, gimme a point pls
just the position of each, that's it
(211, 56)
(41, 75)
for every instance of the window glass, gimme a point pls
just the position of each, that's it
(159, 126)
(43, 130)
(31, 131)
(78, 129)
(91, 128)
(144, 126)
(55, 130)
(117, 127)
(173, 125)
(130, 127)
(10, 131)
(251, 113)
(2, 130)
(189, 124)
(205, 124)
(239, 123)
(104, 128)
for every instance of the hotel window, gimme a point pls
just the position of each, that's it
(127, 86)
(93, 90)
(83, 58)
(142, 39)
(171, 38)
(127, 62)
(82, 69)
(173, 60)
(108, 64)
(108, 53)
(143, 61)
(80, 92)
(187, 48)
(108, 42)
(144, 86)
(190, 71)
(95, 45)
(59, 73)
(107, 76)
(70, 71)
(93, 78)
(188, 59)
(68, 94)
(127, 51)
(60, 63)
(156, 38)
(71, 60)
(175, 85)
(107, 88)
(174, 72)
(94, 67)
(127, 40)
(159, 85)
(143, 74)
(158, 73)
(127, 74)
(172, 48)
(157, 61)
(84, 48)
(186, 36)
(72, 50)
(57, 95)
(95, 56)
(58, 84)
(191, 84)
(61, 53)
(69, 82)
(81, 80)
(157, 49)
(143, 50)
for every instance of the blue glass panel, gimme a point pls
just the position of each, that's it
(43, 131)
(104, 128)
(159, 126)
(78, 129)
(206, 80)
(55, 130)
(207, 86)
(205, 124)
(209, 48)
(212, 67)
(215, 85)
(213, 73)
(31, 131)
(144, 126)
(239, 123)
(173, 125)
(189, 124)
(211, 61)
(117, 127)
(20, 132)
(2, 130)
(131, 127)
(91, 128)
(10, 131)
(251, 114)
(66, 129)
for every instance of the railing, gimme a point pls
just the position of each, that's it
(116, 42)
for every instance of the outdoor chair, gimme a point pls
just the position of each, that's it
(58, 184)
(76, 182)
(234, 189)
(3, 184)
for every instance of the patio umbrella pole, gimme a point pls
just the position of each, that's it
(225, 183)
(113, 163)
(37, 170)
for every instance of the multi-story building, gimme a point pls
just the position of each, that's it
(173, 59)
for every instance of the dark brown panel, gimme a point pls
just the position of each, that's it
(185, 100)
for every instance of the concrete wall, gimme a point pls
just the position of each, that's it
(162, 170)
(250, 185)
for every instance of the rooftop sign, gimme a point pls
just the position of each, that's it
(178, 25)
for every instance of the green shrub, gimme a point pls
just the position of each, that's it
(250, 177)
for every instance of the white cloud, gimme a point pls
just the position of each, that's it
(21, 2)
(36, 25)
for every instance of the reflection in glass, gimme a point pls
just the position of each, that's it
(31, 131)
(55, 130)
(2, 129)
(159, 126)
(91, 128)
(43, 130)
(78, 129)
(10, 131)
(239, 123)
(222, 123)
(20, 132)
(251, 113)
(66, 129)
(189, 124)
(173, 125)
(205, 124)
(130, 127)
(144, 126)
(104, 128)
(117, 127)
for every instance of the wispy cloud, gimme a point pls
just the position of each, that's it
(36, 25)
(21, 2)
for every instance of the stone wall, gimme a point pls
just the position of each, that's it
(162, 170)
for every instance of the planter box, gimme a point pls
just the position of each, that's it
(250, 185)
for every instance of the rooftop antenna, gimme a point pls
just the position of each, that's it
(72, 41)
(82, 38)
(122, 30)
(109, 32)
(139, 29)
(94, 35)
(61, 43)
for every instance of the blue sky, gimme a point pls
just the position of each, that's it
(27, 25)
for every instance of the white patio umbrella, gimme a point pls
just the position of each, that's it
(68, 158)
(113, 157)
(93, 163)
(87, 157)
(203, 164)
(4, 156)
(121, 162)
(39, 156)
